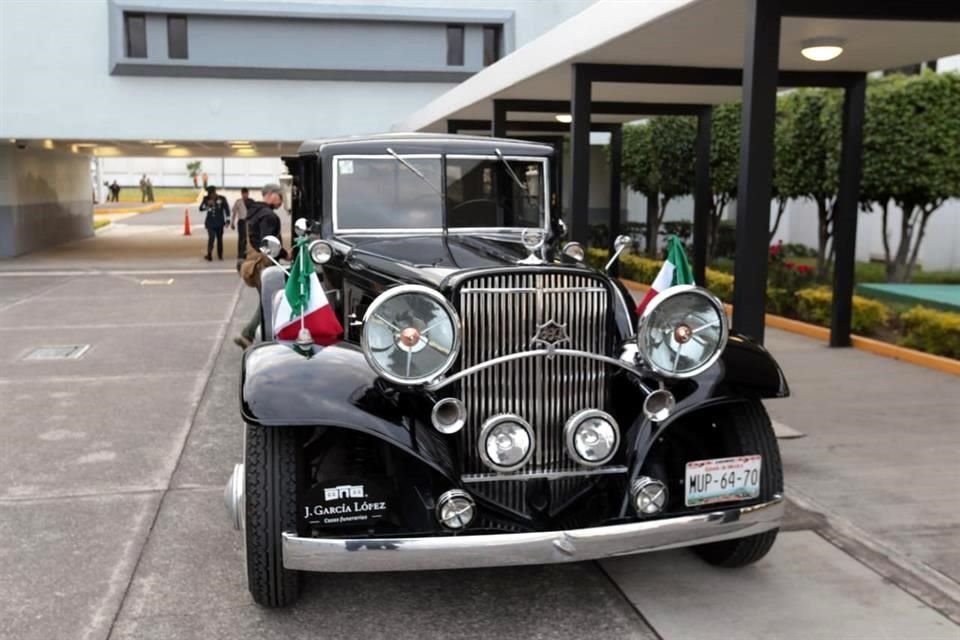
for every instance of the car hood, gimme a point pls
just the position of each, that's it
(431, 259)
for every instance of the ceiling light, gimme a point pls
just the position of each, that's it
(821, 49)
(565, 118)
(165, 146)
(85, 144)
(178, 152)
(236, 142)
(48, 144)
(152, 141)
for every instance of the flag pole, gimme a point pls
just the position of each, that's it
(304, 339)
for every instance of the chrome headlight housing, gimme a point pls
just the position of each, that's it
(506, 442)
(682, 332)
(411, 335)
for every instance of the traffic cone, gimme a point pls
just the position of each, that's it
(186, 222)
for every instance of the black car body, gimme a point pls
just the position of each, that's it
(517, 432)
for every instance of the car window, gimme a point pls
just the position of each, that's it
(481, 192)
(383, 193)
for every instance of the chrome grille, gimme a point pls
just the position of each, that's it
(501, 315)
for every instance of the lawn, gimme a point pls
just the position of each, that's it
(97, 224)
(132, 194)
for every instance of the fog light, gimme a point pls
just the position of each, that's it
(592, 437)
(455, 509)
(506, 442)
(320, 252)
(649, 496)
(448, 415)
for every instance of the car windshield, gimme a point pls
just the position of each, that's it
(398, 192)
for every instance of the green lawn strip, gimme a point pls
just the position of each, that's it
(98, 224)
(132, 194)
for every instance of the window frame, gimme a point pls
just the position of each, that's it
(127, 43)
(186, 37)
(497, 31)
(419, 231)
(462, 48)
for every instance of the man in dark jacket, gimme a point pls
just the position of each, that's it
(218, 213)
(262, 221)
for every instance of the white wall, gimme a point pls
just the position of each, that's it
(55, 84)
(45, 199)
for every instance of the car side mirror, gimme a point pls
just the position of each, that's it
(619, 246)
(270, 246)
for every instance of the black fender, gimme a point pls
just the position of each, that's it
(286, 386)
(749, 369)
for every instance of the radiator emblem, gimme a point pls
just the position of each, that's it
(550, 335)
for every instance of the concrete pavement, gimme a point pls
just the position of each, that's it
(112, 469)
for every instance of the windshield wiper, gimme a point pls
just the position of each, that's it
(413, 169)
(509, 170)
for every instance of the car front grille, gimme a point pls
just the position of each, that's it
(502, 314)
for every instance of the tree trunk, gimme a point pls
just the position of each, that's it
(652, 223)
(781, 207)
(887, 263)
(907, 225)
(924, 217)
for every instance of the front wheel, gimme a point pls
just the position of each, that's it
(270, 501)
(752, 433)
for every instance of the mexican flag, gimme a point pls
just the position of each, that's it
(303, 296)
(675, 270)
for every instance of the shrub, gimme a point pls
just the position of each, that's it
(936, 332)
(721, 284)
(813, 305)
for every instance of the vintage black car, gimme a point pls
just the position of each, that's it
(492, 400)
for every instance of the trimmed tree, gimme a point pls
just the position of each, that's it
(658, 161)
(807, 144)
(724, 166)
(911, 157)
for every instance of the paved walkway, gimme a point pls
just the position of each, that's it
(112, 470)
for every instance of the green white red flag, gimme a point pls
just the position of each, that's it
(675, 270)
(304, 296)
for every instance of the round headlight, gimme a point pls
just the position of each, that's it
(320, 252)
(506, 442)
(455, 509)
(682, 331)
(592, 437)
(574, 250)
(411, 334)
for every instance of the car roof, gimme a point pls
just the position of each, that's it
(437, 142)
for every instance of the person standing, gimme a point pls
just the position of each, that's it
(115, 191)
(218, 212)
(262, 221)
(238, 221)
(149, 187)
(143, 188)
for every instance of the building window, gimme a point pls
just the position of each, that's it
(455, 45)
(135, 30)
(491, 45)
(177, 37)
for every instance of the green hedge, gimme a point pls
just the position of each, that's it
(645, 270)
(936, 332)
(813, 305)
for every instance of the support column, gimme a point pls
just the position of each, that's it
(580, 155)
(98, 161)
(499, 119)
(758, 114)
(451, 127)
(616, 165)
(702, 196)
(845, 212)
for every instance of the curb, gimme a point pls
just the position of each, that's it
(156, 206)
(876, 347)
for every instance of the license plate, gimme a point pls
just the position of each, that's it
(722, 480)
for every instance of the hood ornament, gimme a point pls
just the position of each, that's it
(549, 336)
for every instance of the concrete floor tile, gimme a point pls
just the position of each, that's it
(94, 436)
(805, 589)
(65, 564)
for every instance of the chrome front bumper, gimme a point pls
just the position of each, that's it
(465, 551)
